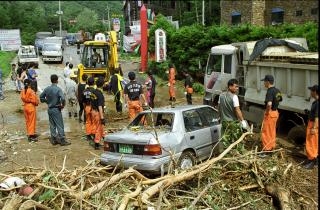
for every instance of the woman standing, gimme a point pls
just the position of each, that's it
(151, 89)
(30, 100)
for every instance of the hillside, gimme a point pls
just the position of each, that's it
(33, 16)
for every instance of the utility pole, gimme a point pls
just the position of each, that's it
(109, 21)
(203, 12)
(60, 24)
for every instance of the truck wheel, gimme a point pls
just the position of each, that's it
(186, 160)
(297, 135)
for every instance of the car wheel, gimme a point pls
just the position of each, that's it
(186, 160)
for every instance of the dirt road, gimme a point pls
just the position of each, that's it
(13, 140)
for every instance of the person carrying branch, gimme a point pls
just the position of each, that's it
(312, 139)
(30, 102)
(229, 109)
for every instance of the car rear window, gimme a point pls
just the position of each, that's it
(160, 121)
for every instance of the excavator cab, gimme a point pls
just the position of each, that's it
(99, 58)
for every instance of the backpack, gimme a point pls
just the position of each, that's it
(278, 95)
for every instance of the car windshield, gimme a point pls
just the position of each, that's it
(162, 121)
(51, 47)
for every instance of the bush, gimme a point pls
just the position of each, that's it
(159, 68)
(198, 88)
(5, 60)
(190, 45)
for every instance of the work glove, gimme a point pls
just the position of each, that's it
(103, 121)
(168, 84)
(185, 93)
(245, 125)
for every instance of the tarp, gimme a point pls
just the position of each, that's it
(235, 14)
(261, 45)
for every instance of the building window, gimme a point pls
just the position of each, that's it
(173, 4)
(299, 13)
(235, 18)
(277, 16)
(314, 11)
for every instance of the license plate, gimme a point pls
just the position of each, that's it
(124, 148)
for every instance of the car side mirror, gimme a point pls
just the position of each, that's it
(215, 122)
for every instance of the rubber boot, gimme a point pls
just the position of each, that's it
(310, 165)
(96, 146)
(70, 115)
(75, 115)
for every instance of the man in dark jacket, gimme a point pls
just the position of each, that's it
(116, 88)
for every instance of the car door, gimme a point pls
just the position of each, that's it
(210, 118)
(197, 136)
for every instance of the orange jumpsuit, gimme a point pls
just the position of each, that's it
(30, 100)
(312, 141)
(134, 109)
(172, 74)
(97, 127)
(268, 134)
(89, 124)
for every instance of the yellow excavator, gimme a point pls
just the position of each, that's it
(99, 58)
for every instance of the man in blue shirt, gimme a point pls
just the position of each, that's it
(55, 99)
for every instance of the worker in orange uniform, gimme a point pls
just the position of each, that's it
(87, 101)
(188, 83)
(30, 100)
(132, 93)
(172, 81)
(312, 130)
(271, 115)
(97, 113)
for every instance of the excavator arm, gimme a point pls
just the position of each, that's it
(113, 56)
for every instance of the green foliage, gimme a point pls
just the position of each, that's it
(34, 16)
(198, 88)
(48, 195)
(190, 45)
(5, 60)
(159, 68)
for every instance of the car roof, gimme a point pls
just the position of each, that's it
(170, 109)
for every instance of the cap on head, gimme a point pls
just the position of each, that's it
(67, 63)
(91, 81)
(314, 88)
(268, 78)
(26, 82)
(70, 65)
(131, 75)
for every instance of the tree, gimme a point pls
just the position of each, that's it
(87, 20)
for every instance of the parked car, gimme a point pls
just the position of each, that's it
(28, 54)
(71, 39)
(188, 132)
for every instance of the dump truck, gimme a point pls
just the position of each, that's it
(28, 54)
(288, 60)
(99, 57)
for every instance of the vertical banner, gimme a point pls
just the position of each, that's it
(161, 45)
(144, 38)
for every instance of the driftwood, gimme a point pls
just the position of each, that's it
(281, 196)
(14, 203)
(30, 205)
(186, 175)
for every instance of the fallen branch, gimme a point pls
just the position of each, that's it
(186, 175)
(244, 204)
(281, 195)
(31, 204)
(127, 197)
(202, 193)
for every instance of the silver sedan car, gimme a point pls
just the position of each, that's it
(156, 139)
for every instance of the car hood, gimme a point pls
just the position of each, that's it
(127, 136)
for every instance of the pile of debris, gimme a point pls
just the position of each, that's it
(231, 180)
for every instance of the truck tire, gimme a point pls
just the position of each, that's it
(186, 160)
(297, 135)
